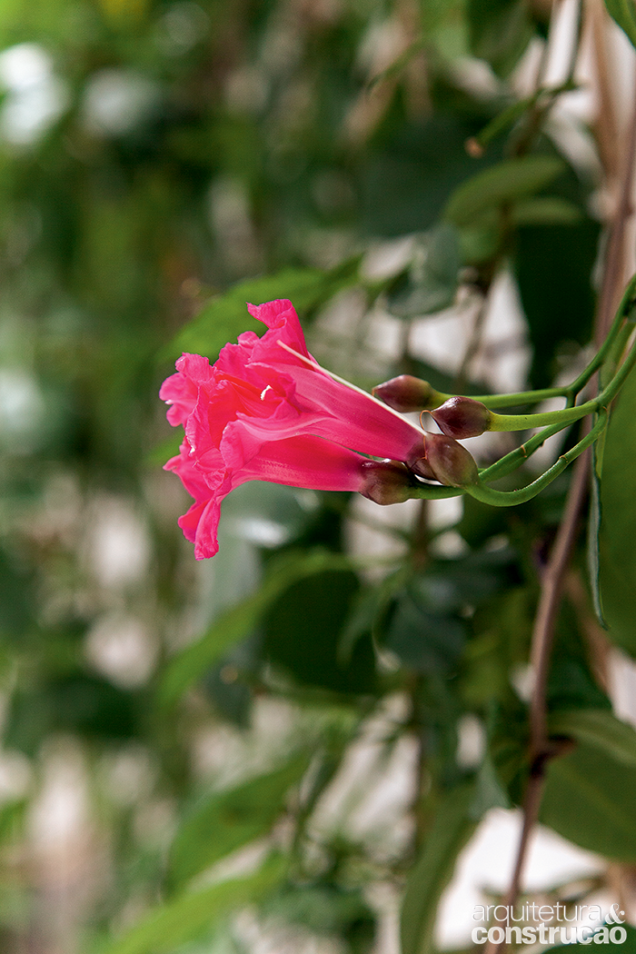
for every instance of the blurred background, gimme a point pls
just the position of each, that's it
(153, 154)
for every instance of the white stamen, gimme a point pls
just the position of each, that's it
(264, 391)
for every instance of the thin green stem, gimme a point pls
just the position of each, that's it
(433, 492)
(510, 498)
(525, 422)
(608, 370)
(505, 465)
(520, 397)
(521, 422)
(622, 312)
(610, 391)
(617, 337)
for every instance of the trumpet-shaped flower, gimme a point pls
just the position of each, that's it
(266, 410)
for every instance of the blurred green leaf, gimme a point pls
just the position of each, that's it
(162, 453)
(184, 917)
(590, 799)
(546, 210)
(624, 12)
(77, 703)
(451, 828)
(423, 640)
(329, 911)
(597, 727)
(226, 820)
(239, 621)
(553, 267)
(225, 317)
(427, 627)
(616, 553)
(501, 630)
(489, 792)
(505, 182)
(571, 681)
(406, 178)
(302, 632)
(16, 597)
(431, 281)
(499, 31)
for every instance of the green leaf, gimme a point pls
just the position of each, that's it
(499, 31)
(501, 632)
(553, 267)
(504, 182)
(407, 175)
(597, 727)
(546, 210)
(224, 318)
(489, 792)
(303, 630)
(571, 683)
(452, 827)
(432, 278)
(425, 640)
(504, 119)
(226, 820)
(165, 450)
(594, 527)
(189, 914)
(590, 799)
(75, 703)
(624, 12)
(329, 910)
(616, 553)
(239, 621)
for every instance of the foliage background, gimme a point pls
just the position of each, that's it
(159, 716)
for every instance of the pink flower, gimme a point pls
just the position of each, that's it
(266, 410)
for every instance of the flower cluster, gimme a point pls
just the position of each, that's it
(266, 410)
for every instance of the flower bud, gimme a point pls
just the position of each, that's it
(406, 393)
(422, 468)
(385, 481)
(461, 417)
(450, 462)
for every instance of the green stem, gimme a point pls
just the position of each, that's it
(569, 391)
(508, 116)
(505, 465)
(615, 342)
(610, 391)
(433, 492)
(524, 422)
(520, 397)
(608, 370)
(622, 312)
(510, 498)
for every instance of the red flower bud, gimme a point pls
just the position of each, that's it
(406, 393)
(422, 468)
(461, 417)
(450, 462)
(386, 481)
